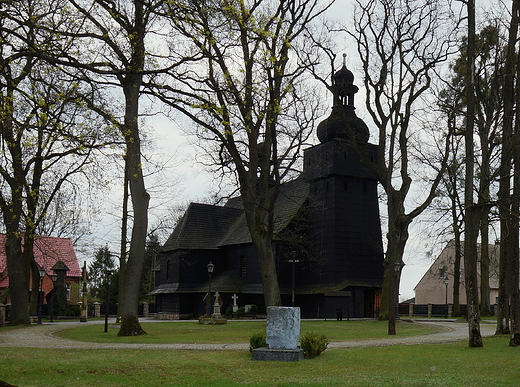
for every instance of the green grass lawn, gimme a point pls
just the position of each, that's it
(455, 365)
(240, 331)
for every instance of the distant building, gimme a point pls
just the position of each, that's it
(48, 251)
(431, 289)
(327, 233)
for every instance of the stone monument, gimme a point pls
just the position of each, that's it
(282, 335)
(216, 306)
(235, 305)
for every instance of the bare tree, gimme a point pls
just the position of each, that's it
(401, 44)
(46, 134)
(244, 89)
(115, 60)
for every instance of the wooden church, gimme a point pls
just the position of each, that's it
(327, 245)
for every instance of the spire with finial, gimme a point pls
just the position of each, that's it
(343, 122)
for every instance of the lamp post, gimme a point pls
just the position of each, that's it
(41, 273)
(107, 281)
(54, 278)
(210, 267)
(446, 282)
(293, 261)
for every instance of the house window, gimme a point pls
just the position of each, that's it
(243, 266)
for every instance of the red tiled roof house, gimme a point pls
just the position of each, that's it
(47, 252)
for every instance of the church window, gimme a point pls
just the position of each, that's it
(168, 269)
(243, 266)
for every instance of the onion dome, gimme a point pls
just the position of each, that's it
(343, 124)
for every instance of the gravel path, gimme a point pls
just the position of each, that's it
(43, 336)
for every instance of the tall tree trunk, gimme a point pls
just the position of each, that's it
(456, 273)
(124, 227)
(485, 306)
(397, 237)
(470, 214)
(131, 84)
(515, 275)
(140, 199)
(507, 253)
(515, 207)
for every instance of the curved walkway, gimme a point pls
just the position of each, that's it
(42, 336)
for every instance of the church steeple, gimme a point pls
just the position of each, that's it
(343, 123)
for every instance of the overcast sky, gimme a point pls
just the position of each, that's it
(186, 180)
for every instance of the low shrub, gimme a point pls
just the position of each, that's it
(253, 309)
(73, 311)
(229, 311)
(257, 341)
(313, 344)
(240, 312)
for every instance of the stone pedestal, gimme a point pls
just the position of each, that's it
(84, 307)
(282, 335)
(146, 309)
(97, 309)
(278, 354)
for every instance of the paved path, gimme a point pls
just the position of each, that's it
(43, 336)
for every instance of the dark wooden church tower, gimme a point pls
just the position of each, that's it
(343, 206)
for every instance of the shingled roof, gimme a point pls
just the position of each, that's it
(289, 201)
(206, 226)
(48, 251)
(202, 227)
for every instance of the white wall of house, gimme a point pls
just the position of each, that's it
(431, 289)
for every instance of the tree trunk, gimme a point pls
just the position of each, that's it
(19, 273)
(124, 227)
(456, 275)
(515, 207)
(485, 307)
(470, 214)
(131, 85)
(470, 269)
(507, 252)
(264, 251)
(140, 199)
(134, 265)
(397, 237)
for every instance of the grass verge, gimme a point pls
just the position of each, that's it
(436, 365)
(240, 332)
